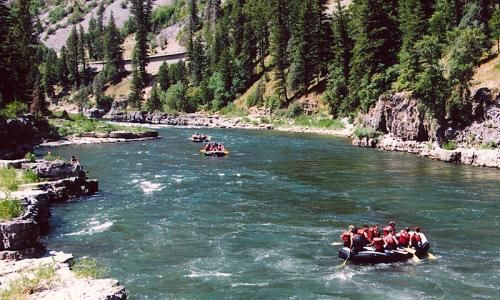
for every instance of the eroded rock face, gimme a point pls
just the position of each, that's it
(398, 115)
(19, 234)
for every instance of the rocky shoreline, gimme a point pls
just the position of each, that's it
(20, 248)
(103, 137)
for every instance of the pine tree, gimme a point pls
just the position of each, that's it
(142, 13)
(280, 34)
(194, 22)
(113, 53)
(375, 50)
(62, 67)
(6, 92)
(197, 62)
(92, 37)
(495, 27)
(413, 26)
(38, 105)
(339, 70)
(98, 33)
(153, 103)
(163, 77)
(23, 58)
(49, 72)
(72, 57)
(82, 56)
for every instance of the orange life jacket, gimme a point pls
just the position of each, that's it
(378, 244)
(346, 237)
(416, 239)
(404, 238)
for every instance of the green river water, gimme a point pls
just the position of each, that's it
(258, 224)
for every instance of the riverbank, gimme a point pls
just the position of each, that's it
(26, 266)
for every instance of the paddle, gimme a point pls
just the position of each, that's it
(337, 243)
(414, 257)
(345, 261)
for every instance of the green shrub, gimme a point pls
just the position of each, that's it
(30, 177)
(30, 282)
(265, 120)
(57, 14)
(366, 132)
(449, 145)
(8, 179)
(294, 110)
(50, 157)
(30, 157)
(10, 209)
(88, 268)
(14, 109)
(492, 145)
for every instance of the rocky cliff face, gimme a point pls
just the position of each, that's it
(398, 115)
(405, 129)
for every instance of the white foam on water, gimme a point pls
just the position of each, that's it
(221, 174)
(148, 187)
(207, 274)
(94, 229)
(249, 284)
(238, 175)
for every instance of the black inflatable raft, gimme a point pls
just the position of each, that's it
(369, 256)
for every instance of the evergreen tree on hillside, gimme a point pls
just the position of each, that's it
(376, 37)
(62, 67)
(98, 33)
(163, 77)
(72, 57)
(92, 38)
(153, 103)
(280, 34)
(337, 90)
(142, 13)
(49, 72)
(413, 26)
(113, 52)
(212, 13)
(197, 62)
(6, 93)
(22, 53)
(258, 12)
(82, 56)
(495, 27)
(194, 21)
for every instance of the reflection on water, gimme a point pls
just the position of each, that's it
(170, 223)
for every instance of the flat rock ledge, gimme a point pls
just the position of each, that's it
(65, 284)
(104, 137)
(473, 157)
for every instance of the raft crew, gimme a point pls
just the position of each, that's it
(199, 137)
(214, 147)
(356, 239)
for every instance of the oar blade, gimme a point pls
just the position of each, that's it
(431, 257)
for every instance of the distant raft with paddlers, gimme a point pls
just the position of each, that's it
(200, 138)
(214, 149)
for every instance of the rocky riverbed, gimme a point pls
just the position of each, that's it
(21, 252)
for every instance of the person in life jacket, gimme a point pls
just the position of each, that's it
(404, 237)
(367, 234)
(392, 224)
(374, 231)
(390, 241)
(357, 241)
(364, 234)
(418, 240)
(378, 244)
(346, 237)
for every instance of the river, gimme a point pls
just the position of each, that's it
(258, 224)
